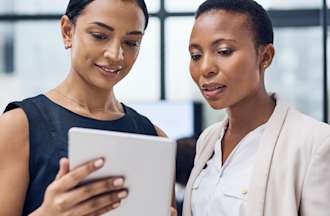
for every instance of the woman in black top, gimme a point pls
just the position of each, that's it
(104, 37)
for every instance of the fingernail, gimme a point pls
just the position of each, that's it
(99, 163)
(116, 205)
(118, 182)
(122, 194)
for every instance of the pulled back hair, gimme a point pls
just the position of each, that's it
(75, 7)
(260, 21)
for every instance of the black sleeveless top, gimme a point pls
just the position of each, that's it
(49, 124)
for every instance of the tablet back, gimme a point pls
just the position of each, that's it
(147, 162)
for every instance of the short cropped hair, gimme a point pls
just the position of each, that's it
(260, 21)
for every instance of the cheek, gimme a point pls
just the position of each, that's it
(244, 69)
(247, 77)
(82, 52)
(194, 72)
(130, 56)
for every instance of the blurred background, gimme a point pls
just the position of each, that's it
(33, 60)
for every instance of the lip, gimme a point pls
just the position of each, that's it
(108, 70)
(212, 90)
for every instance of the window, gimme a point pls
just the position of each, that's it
(163, 65)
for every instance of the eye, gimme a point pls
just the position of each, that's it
(225, 52)
(99, 36)
(131, 43)
(195, 56)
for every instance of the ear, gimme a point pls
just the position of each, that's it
(67, 28)
(267, 55)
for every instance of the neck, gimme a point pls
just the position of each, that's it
(250, 113)
(76, 90)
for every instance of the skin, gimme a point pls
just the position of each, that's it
(228, 67)
(100, 44)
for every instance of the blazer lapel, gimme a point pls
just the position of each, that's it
(260, 173)
(204, 156)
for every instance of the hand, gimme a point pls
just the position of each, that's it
(64, 196)
(173, 212)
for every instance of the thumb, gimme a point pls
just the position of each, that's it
(173, 212)
(64, 168)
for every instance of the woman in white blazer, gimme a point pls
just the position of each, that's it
(265, 158)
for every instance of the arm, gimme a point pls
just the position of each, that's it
(315, 195)
(14, 162)
(63, 196)
(161, 133)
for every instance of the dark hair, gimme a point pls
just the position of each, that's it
(75, 7)
(259, 19)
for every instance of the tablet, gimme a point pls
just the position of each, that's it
(147, 162)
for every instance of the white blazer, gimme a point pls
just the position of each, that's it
(291, 176)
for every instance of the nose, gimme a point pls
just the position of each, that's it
(114, 52)
(208, 66)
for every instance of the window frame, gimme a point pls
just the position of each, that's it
(293, 18)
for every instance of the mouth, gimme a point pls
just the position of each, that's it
(212, 90)
(107, 70)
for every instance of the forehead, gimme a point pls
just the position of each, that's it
(117, 13)
(220, 23)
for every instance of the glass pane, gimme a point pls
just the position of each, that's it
(182, 5)
(40, 6)
(142, 84)
(153, 5)
(53, 6)
(41, 61)
(192, 5)
(296, 73)
(290, 4)
(6, 6)
(36, 59)
(179, 85)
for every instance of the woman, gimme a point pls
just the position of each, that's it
(104, 37)
(265, 158)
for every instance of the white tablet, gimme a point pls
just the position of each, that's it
(147, 162)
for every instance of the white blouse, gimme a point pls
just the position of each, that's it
(222, 190)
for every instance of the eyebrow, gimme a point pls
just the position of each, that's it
(110, 28)
(221, 40)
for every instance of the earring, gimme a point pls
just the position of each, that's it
(67, 46)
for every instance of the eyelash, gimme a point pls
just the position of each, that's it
(195, 57)
(225, 52)
(132, 43)
(99, 36)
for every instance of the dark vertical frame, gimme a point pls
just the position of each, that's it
(324, 21)
(162, 15)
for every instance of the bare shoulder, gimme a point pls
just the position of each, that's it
(160, 132)
(14, 134)
(14, 161)
(13, 125)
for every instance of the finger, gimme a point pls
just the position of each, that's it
(93, 205)
(173, 212)
(74, 177)
(85, 192)
(64, 168)
(105, 209)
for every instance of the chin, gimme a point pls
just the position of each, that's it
(103, 85)
(217, 105)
